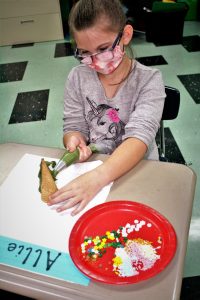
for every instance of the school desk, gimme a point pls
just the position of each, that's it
(167, 187)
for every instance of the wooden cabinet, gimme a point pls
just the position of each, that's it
(26, 21)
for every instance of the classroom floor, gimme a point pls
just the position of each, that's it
(32, 78)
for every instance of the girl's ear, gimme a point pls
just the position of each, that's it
(127, 34)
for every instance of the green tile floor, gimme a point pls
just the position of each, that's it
(46, 72)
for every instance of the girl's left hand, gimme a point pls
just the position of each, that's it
(79, 192)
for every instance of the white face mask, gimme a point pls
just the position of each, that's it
(105, 62)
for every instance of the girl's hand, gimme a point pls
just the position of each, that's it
(74, 142)
(79, 192)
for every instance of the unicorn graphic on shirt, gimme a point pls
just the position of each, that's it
(105, 120)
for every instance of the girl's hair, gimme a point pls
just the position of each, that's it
(85, 14)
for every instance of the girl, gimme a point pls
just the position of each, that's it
(111, 100)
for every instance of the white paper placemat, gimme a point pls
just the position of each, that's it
(23, 215)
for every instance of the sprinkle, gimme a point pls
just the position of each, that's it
(117, 261)
(96, 240)
(127, 225)
(137, 255)
(131, 255)
(124, 233)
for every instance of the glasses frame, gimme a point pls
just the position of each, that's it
(115, 43)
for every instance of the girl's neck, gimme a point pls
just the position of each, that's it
(112, 82)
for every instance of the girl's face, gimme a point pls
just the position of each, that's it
(107, 54)
(101, 49)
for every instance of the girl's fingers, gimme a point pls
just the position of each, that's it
(85, 153)
(79, 208)
(76, 193)
(68, 204)
(75, 142)
(60, 196)
(72, 145)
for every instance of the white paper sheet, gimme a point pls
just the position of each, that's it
(23, 215)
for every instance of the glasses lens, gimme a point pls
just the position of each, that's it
(105, 56)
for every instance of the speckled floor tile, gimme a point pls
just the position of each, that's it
(192, 84)
(12, 71)
(152, 60)
(63, 49)
(13, 296)
(190, 288)
(191, 43)
(23, 45)
(173, 153)
(30, 106)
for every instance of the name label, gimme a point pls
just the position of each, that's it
(40, 260)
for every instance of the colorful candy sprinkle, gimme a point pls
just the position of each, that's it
(131, 255)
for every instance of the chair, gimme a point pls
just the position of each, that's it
(170, 112)
(164, 23)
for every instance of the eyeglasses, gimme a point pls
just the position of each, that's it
(103, 55)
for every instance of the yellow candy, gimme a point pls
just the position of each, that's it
(117, 261)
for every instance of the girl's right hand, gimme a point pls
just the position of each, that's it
(78, 142)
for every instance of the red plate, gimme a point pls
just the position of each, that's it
(147, 229)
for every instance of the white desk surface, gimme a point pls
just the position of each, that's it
(169, 188)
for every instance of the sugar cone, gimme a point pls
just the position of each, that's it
(48, 185)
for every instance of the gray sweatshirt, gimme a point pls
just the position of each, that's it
(135, 110)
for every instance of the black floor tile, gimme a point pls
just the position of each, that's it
(192, 83)
(173, 153)
(190, 288)
(191, 43)
(63, 49)
(166, 42)
(12, 71)
(30, 106)
(23, 45)
(12, 296)
(152, 60)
